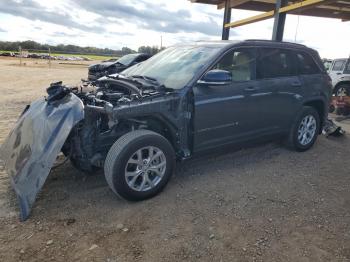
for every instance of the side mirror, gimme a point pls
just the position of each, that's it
(216, 77)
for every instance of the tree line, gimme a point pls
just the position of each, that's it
(73, 49)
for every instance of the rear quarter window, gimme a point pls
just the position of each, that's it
(307, 65)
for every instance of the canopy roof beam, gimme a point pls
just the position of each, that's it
(284, 9)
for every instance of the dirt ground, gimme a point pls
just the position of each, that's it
(259, 204)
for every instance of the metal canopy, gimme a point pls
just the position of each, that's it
(339, 9)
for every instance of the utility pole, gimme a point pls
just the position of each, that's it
(20, 55)
(161, 41)
(49, 57)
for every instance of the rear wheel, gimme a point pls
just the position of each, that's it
(305, 129)
(342, 90)
(139, 165)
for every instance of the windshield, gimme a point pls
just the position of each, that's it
(175, 66)
(127, 59)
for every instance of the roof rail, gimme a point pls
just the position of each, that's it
(265, 40)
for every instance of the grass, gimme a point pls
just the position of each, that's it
(92, 57)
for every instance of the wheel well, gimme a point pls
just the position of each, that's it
(341, 83)
(320, 108)
(158, 126)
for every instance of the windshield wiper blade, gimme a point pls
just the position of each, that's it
(153, 81)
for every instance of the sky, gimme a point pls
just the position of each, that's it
(133, 23)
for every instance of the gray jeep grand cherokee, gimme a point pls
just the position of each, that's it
(184, 100)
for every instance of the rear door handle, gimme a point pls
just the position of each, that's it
(296, 84)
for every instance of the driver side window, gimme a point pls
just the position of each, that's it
(240, 63)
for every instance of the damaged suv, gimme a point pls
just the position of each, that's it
(184, 100)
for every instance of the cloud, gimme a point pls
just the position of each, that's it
(34, 11)
(152, 16)
(2, 30)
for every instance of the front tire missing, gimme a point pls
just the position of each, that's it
(139, 165)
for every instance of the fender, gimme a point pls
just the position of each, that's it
(32, 146)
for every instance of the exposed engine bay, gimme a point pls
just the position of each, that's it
(113, 107)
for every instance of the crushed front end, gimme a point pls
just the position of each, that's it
(83, 123)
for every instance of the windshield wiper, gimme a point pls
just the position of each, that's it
(150, 80)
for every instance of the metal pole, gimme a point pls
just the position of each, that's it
(227, 19)
(279, 22)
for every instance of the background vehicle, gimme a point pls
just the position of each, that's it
(111, 67)
(327, 63)
(184, 100)
(340, 75)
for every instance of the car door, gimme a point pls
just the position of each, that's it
(311, 75)
(227, 112)
(336, 70)
(277, 74)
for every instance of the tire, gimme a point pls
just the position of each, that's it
(304, 143)
(342, 89)
(123, 159)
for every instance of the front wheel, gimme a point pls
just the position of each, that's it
(139, 165)
(305, 129)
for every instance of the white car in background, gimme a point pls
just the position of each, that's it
(340, 75)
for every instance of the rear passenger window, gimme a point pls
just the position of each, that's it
(307, 65)
(338, 65)
(274, 63)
